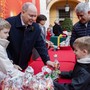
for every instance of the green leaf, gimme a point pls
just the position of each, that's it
(67, 24)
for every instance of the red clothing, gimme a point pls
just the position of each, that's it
(48, 35)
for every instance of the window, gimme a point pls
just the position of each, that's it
(63, 14)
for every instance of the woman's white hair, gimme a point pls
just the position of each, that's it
(82, 7)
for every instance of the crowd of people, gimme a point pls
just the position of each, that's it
(22, 38)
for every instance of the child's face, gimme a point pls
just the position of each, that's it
(42, 22)
(48, 29)
(4, 33)
(79, 53)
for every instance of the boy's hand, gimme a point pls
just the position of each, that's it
(57, 65)
(17, 67)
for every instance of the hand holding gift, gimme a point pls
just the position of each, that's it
(28, 81)
(56, 62)
(50, 63)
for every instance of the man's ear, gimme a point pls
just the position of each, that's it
(88, 12)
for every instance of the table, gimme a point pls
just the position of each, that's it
(66, 57)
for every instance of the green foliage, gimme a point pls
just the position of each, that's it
(67, 24)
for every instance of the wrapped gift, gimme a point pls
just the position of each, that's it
(29, 81)
(54, 39)
(57, 39)
(65, 44)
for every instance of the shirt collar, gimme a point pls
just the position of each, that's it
(22, 20)
(85, 60)
(4, 42)
(86, 24)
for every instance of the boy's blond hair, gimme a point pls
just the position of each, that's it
(4, 24)
(83, 43)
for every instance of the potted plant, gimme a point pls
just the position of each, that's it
(67, 24)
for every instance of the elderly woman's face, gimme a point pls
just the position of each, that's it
(83, 17)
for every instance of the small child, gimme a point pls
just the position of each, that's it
(5, 63)
(49, 34)
(81, 74)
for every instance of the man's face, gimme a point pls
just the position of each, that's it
(29, 16)
(83, 17)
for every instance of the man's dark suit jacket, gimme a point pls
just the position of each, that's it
(22, 40)
(79, 30)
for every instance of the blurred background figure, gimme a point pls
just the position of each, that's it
(57, 30)
(49, 34)
(41, 20)
(51, 27)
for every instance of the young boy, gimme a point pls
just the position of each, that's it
(5, 63)
(81, 74)
(41, 20)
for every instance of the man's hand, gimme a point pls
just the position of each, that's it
(54, 64)
(17, 67)
(50, 63)
(57, 64)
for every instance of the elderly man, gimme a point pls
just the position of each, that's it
(25, 34)
(82, 27)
